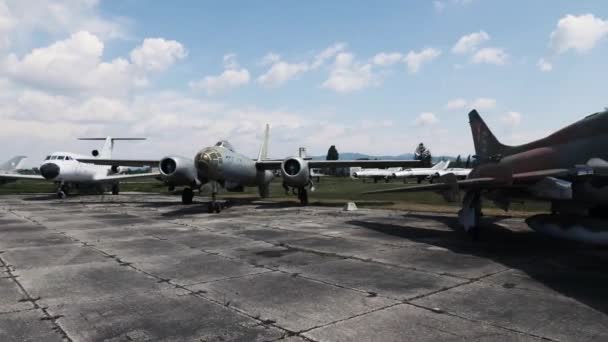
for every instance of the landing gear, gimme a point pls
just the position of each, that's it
(420, 179)
(214, 206)
(62, 191)
(470, 214)
(115, 189)
(187, 196)
(303, 196)
(264, 190)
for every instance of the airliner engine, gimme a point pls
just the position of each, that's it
(178, 170)
(295, 172)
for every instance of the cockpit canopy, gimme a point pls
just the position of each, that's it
(225, 144)
(58, 157)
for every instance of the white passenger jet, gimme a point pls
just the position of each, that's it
(64, 169)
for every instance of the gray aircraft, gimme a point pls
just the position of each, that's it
(11, 166)
(568, 168)
(221, 166)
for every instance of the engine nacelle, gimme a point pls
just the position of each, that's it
(177, 170)
(95, 153)
(295, 172)
(116, 169)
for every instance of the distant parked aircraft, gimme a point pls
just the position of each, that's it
(421, 173)
(64, 169)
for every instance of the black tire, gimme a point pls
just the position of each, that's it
(210, 207)
(303, 196)
(217, 207)
(61, 194)
(187, 196)
(115, 189)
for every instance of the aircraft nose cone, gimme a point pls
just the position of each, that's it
(49, 171)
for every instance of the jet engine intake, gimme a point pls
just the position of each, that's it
(178, 170)
(295, 172)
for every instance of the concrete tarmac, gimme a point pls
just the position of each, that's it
(146, 268)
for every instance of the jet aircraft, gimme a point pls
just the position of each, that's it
(11, 166)
(222, 166)
(65, 170)
(376, 174)
(421, 173)
(568, 168)
(460, 173)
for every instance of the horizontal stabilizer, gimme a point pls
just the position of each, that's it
(112, 138)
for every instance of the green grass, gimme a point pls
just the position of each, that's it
(330, 191)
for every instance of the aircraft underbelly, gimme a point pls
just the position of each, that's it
(240, 173)
(578, 228)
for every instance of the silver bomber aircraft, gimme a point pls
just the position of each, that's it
(68, 173)
(221, 166)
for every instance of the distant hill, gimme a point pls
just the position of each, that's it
(405, 156)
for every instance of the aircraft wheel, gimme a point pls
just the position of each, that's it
(115, 189)
(217, 207)
(303, 196)
(187, 196)
(61, 194)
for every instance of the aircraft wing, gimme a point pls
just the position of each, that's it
(121, 162)
(17, 176)
(449, 182)
(112, 178)
(276, 164)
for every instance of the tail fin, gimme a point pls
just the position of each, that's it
(264, 148)
(12, 164)
(439, 165)
(108, 146)
(487, 147)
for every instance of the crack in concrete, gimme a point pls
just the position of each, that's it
(34, 302)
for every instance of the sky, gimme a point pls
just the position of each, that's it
(369, 78)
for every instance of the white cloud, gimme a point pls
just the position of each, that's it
(456, 104)
(415, 60)
(281, 72)
(327, 54)
(347, 75)
(426, 119)
(438, 5)
(580, 33)
(157, 54)
(386, 59)
(441, 5)
(232, 77)
(481, 103)
(270, 58)
(490, 55)
(469, 43)
(511, 119)
(61, 17)
(75, 65)
(544, 65)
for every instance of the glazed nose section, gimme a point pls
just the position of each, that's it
(49, 170)
(203, 161)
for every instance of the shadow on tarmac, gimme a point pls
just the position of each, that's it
(573, 269)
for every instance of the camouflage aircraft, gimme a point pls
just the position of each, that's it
(568, 168)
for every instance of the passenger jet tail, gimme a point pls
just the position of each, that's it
(108, 146)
